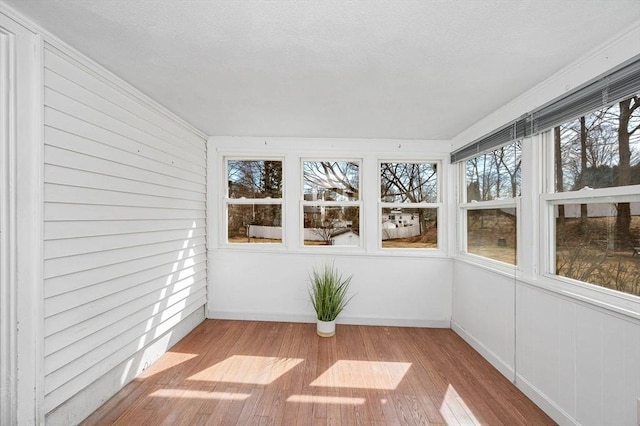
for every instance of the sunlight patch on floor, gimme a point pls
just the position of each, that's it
(196, 394)
(363, 375)
(258, 370)
(453, 402)
(169, 360)
(322, 399)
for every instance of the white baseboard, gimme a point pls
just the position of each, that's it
(504, 368)
(85, 402)
(556, 413)
(395, 322)
(390, 322)
(259, 316)
(538, 398)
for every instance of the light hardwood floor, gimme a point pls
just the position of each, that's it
(259, 373)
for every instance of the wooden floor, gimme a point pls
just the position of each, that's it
(259, 373)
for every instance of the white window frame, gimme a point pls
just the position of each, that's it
(464, 206)
(440, 245)
(227, 201)
(356, 203)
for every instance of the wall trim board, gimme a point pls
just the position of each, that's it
(311, 251)
(504, 368)
(540, 399)
(487, 266)
(22, 224)
(8, 270)
(347, 320)
(563, 291)
(93, 396)
(12, 14)
(30, 250)
(228, 145)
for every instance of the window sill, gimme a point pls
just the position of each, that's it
(621, 305)
(334, 251)
(495, 266)
(610, 301)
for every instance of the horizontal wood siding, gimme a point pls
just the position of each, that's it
(125, 230)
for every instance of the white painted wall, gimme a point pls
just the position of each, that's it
(584, 362)
(483, 312)
(573, 350)
(273, 286)
(578, 362)
(124, 233)
(269, 282)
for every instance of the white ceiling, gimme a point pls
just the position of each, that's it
(357, 69)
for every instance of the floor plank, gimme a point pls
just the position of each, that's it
(255, 373)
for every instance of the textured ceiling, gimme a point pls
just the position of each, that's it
(356, 69)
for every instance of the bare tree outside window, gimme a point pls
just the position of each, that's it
(495, 175)
(254, 223)
(407, 193)
(254, 179)
(331, 225)
(331, 203)
(589, 254)
(599, 150)
(493, 179)
(254, 201)
(331, 180)
(409, 182)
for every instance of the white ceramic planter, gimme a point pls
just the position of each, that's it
(326, 328)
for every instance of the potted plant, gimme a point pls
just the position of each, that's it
(328, 292)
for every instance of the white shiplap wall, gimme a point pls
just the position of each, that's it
(124, 232)
(577, 361)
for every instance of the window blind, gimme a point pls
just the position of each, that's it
(615, 85)
(495, 139)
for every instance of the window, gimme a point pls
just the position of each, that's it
(599, 150)
(409, 205)
(588, 247)
(492, 184)
(331, 203)
(254, 201)
(596, 205)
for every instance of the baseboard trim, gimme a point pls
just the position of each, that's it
(540, 399)
(500, 365)
(390, 322)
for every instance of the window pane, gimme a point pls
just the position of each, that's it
(408, 183)
(254, 223)
(331, 225)
(331, 180)
(409, 228)
(599, 150)
(254, 179)
(492, 233)
(599, 244)
(494, 175)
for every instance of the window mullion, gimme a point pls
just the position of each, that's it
(615, 194)
(249, 201)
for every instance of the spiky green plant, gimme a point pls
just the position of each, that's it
(328, 291)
